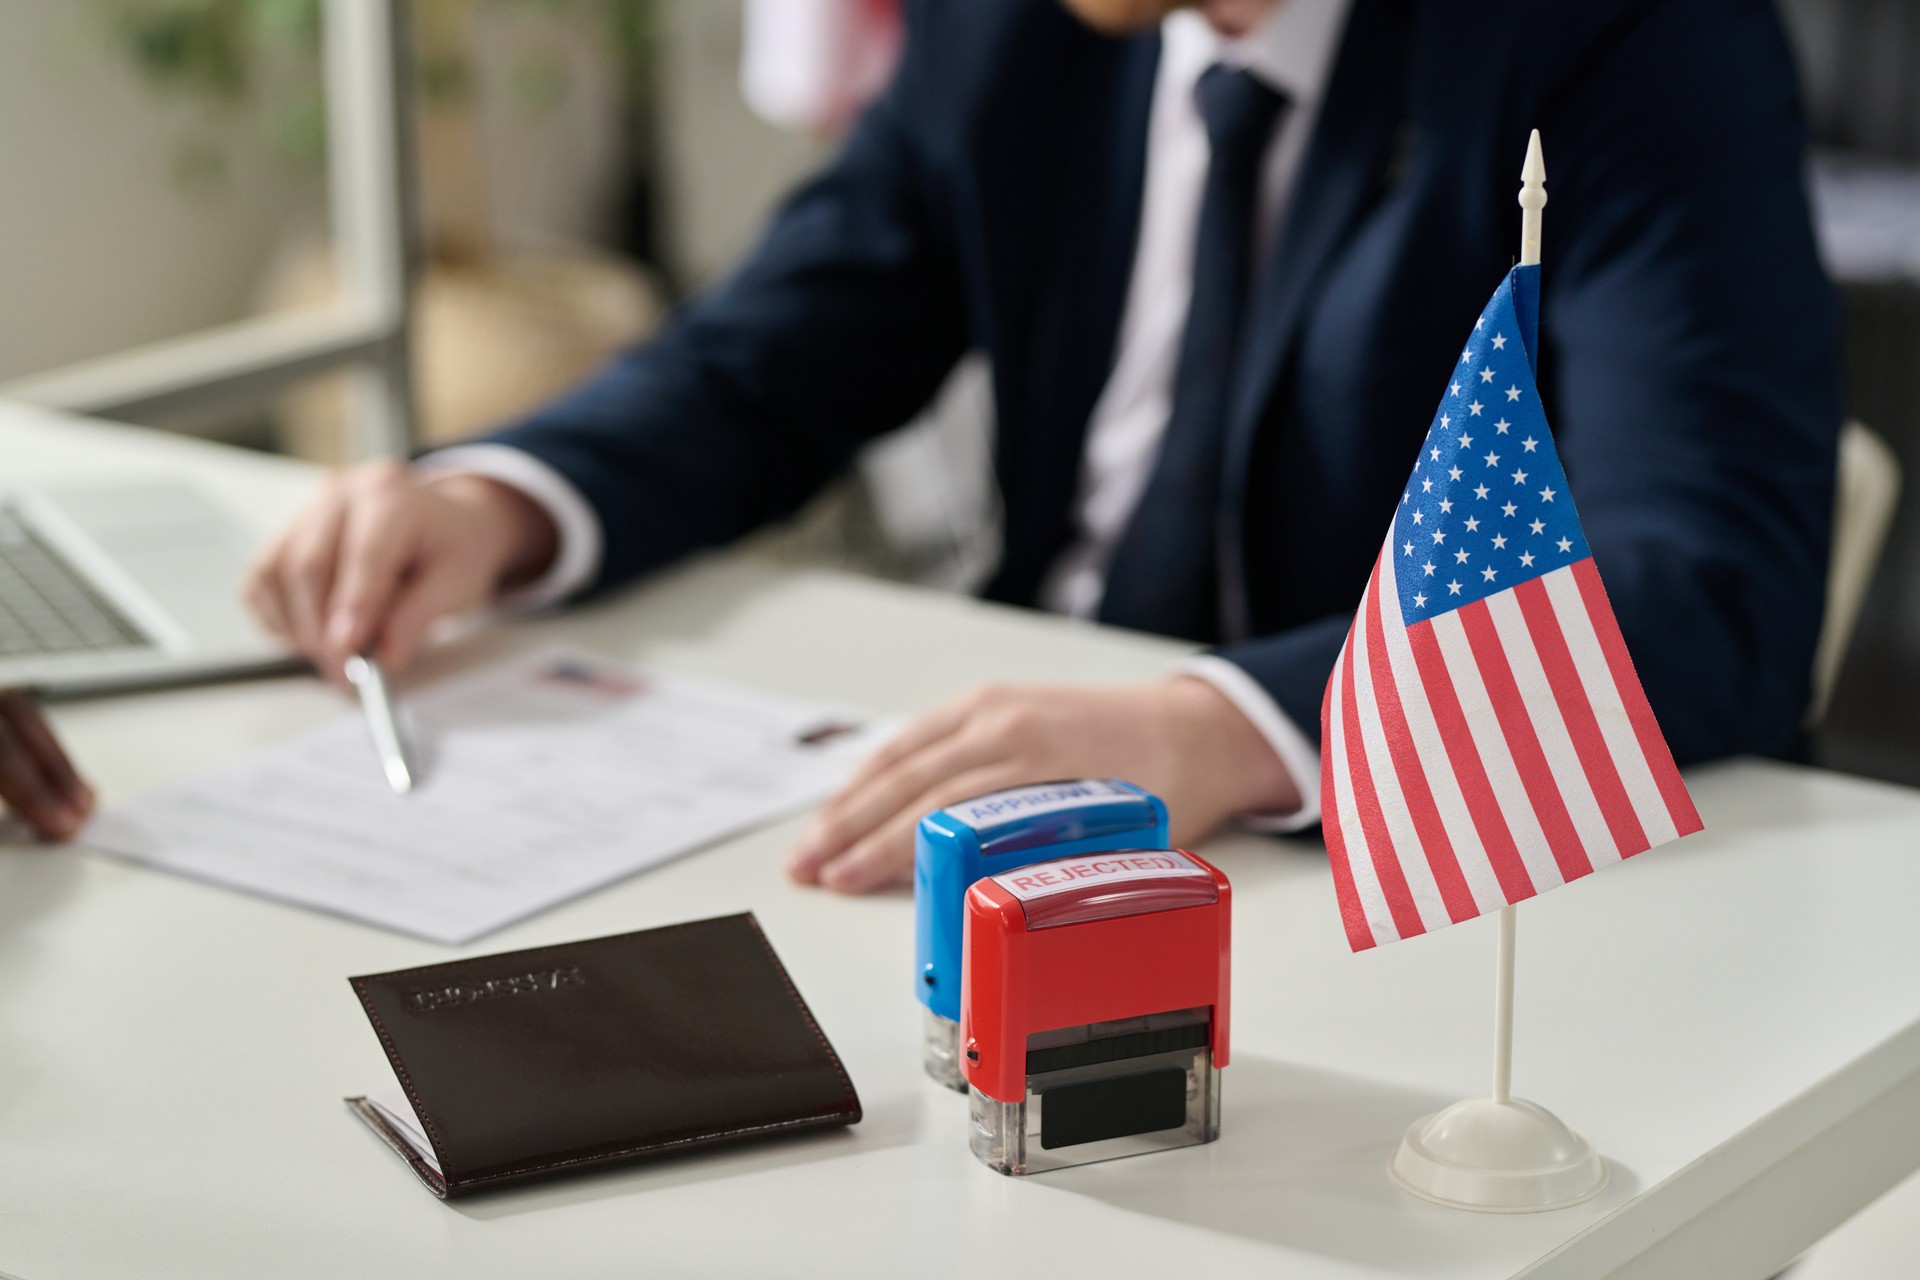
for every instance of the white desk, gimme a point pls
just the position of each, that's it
(1735, 1021)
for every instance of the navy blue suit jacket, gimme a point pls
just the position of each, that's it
(990, 201)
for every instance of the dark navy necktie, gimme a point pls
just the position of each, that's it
(1165, 572)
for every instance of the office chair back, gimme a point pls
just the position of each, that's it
(1868, 492)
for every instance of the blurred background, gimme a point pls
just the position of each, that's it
(576, 167)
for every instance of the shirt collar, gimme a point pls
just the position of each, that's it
(1291, 51)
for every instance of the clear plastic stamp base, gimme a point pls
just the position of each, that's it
(941, 1051)
(1083, 1115)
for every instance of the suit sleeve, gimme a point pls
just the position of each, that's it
(1690, 366)
(1692, 353)
(839, 326)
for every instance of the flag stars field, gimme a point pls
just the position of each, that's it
(1495, 558)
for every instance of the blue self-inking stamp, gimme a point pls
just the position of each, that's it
(959, 844)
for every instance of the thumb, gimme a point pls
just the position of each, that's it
(436, 590)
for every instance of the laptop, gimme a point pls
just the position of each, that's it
(105, 589)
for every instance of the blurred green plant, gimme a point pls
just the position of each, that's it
(231, 56)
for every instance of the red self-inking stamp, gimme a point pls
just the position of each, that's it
(1093, 1009)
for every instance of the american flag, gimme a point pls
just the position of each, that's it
(1484, 735)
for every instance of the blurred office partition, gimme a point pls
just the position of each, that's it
(1860, 68)
(365, 75)
(113, 234)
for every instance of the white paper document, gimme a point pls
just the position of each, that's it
(540, 779)
(391, 1102)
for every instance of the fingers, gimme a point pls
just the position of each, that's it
(889, 780)
(862, 837)
(22, 714)
(376, 543)
(884, 856)
(998, 737)
(854, 812)
(327, 583)
(931, 727)
(439, 587)
(382, 554)
(37, 781)
(26, 791)
(262, 595)
(290, 585)
(306, 576)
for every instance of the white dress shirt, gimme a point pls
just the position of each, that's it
(1293, 52)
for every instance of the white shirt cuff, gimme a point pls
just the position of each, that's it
(578, 557)
(1299, 756)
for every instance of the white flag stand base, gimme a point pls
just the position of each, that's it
(1499, 1154)
(1497, 1157)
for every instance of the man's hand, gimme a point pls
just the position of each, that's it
(1180, 738)
(37, 781)
(382, 553)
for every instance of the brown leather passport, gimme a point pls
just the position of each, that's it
(542, 1062)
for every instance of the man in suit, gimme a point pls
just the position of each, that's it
(1221, 259)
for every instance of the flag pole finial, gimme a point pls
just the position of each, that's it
(1533, 198)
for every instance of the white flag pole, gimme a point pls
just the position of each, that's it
(1503, 1011)
(1533, 199)
(1502, 1154)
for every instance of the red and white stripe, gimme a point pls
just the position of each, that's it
(1487, 754)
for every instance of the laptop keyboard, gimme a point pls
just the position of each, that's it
(46, 607)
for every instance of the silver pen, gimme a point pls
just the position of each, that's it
(371, 683)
